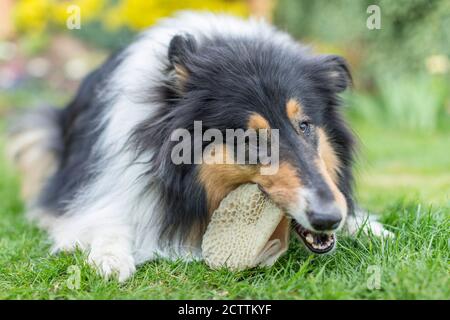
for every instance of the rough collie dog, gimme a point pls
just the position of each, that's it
(98, 174)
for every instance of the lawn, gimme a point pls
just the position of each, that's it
(404, 176)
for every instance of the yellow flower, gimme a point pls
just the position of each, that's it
(139, 14)
(36, 15)
(31, 15)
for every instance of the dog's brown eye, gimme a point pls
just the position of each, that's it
(305, 127)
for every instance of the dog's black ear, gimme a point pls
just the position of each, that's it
(337, 71)
(181, 47)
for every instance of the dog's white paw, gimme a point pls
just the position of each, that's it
(368, 223)
(112, 264)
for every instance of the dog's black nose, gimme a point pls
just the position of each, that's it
(322, 210)
(325, 222)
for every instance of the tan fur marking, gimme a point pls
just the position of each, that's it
(294, 109)
(257, 121)
(329, 167)
(282, 186)
(338, 196)
(36, 174)
(34, 162)
(220, 179)
(181, 74)
(328, 155)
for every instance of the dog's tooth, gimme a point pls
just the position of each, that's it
(310, 238)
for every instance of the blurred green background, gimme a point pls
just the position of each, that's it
(399, 105)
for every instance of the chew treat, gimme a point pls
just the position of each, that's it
(247, 230)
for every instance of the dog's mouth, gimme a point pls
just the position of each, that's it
(316, 242)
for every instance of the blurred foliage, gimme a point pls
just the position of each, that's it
(404, 66)
(108, 23)
(401, 72)
(411, 30)
(409, 102)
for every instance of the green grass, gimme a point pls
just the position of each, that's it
(403, 176)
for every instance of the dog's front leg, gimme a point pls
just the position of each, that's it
(111, 252)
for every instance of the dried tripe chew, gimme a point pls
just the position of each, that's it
(247, 230)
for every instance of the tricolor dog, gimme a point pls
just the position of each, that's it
(98, 174)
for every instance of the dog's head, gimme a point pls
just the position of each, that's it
(246, 84)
